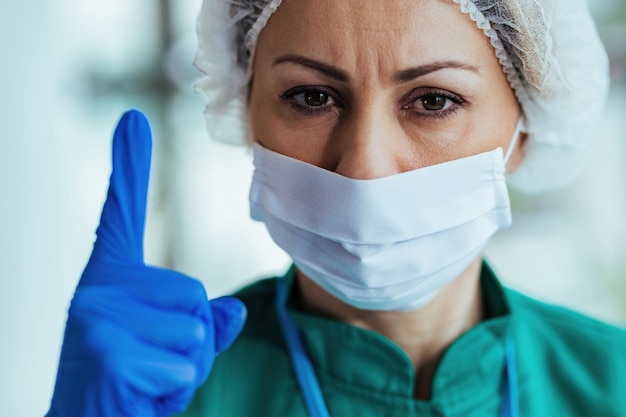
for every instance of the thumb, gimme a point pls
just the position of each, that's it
(229, 316)
(124, 213)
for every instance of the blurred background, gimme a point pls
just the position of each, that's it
(71, 67)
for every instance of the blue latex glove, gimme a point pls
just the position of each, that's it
(139, 340)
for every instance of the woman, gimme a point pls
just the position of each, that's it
(382, 132)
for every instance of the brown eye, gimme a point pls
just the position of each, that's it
(312, 99)
(434, 102)
(315, 98)
(429, 102)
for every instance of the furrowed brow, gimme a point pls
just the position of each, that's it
(321, 67)
(416, 72)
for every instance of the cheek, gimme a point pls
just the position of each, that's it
(260, 115)
(437, 141)
(490, 123)
(500, 113)
(499, 127)
(255, 110)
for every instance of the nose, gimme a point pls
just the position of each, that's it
(368, 145)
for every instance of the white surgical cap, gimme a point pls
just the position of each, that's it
(549, 50)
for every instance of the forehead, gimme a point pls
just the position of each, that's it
(389, 32)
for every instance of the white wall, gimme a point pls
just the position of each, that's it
(37, 241)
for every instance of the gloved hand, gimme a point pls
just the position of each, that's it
(139, 340)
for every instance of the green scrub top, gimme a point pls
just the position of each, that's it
(568, 364)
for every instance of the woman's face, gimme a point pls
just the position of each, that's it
(374, 88)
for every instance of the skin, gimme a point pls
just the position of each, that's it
(377, 88)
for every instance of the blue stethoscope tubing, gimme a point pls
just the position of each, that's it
(309, 385)
(305, 375)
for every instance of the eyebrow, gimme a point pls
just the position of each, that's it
(402, 76)
(327, 70)
(413, 73)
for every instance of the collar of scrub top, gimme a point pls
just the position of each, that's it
(309, 385)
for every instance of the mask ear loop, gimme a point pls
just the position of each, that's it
(519, 129)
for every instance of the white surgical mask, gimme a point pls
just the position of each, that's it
(389, 243)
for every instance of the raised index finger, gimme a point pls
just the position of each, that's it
(122, 222)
